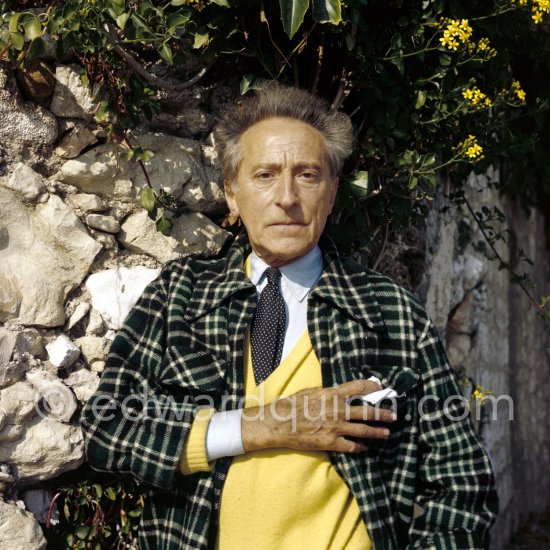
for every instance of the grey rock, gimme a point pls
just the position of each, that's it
(18, 405)
(191, 233)
(23, 123)
(70, 98)
(46, 254)
(115, 291)
(19, 528)
(93, 348)
(26, 182)
(87, 202)
(37, 501)
(59, 401)
(95, 324)
(75, 141)
(83, 382)
(45, 449)
(78, 314)
(103, 223)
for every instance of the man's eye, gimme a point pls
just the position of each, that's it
(264, 175)
(308, 175)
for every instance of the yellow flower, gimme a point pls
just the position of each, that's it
(483, 44)
(470, 149)
(475, 97)
(455, 33)
(518, 91)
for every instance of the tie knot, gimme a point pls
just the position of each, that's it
(273, 275)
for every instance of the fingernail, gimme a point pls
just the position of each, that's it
(386, 432)
(393, 416)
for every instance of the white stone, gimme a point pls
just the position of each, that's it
(98, 366)
(83, 382)
(78, 314)
(192, 233)
(46, 254)
(37, 501)
(95, 324)
(115, 291)
(104, 223)
(93, 348)
(45, 449)
(473, 271)
(19, 404)
(70, 98)
(59, 401)
(75, 141)
(87, 202)
(62, 352)
(23, 122)
(26, 182)
(19, 529)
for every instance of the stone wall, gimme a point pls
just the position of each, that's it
(76, 251)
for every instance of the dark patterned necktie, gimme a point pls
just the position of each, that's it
(268, 328)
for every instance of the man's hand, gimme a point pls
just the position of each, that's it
(315, 419)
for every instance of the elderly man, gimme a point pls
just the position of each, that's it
(238, 388)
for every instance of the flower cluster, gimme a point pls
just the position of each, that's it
(479, 394)
(475, 97)
(518, 91)
(455, 33)
(470, 149)
(538, 8)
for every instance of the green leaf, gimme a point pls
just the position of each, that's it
(16, 38)
(361, 185)
(222, 3)
(164, 225)
(33, 28)
(122, 19)
(82, 532)
(292, 14)
(14, 21)
(37, 48)
(147, 199)
(110, 493)
(246, 82)
(177, 20)
(178, 2)
(166, 53)
(327, 11)
(420, 99)
(200, 40)
(98, 490)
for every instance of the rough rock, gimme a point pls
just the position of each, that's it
(30, 341)
(62, 352)
(23, 123)
(8, 339)
(75, 141)
(103, 223)
(10, 371)
(26, 182)
(46, 252)
(115, 291)
(78, 314)
(192, 233)
(190, 122)
(6, 479)
(37, 501)
(95, 324)
(474, 269)
(98, 366)
(93, 348)
(70, 98)
(83, 382)
(19, 528)
(46, 449)
(177, 167)
(17, 406)
(102, 170)
(87, 202)
(59, 401)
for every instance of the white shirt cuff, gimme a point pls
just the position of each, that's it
(223, 436)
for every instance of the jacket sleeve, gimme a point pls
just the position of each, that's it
(456, 486)
(129, 425)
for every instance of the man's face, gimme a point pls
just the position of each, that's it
(283, 191)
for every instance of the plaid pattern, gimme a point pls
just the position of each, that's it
(182, 347)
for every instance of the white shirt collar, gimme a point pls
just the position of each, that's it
(299, 276)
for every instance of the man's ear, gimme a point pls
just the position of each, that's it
(230, 197)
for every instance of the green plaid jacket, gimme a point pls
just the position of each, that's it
(181, 347)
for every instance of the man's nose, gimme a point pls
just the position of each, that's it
(287, 191)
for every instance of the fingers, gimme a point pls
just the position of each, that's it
(357, 387)
(368, 412)
(356, 429)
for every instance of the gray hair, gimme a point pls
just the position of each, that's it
(275, 100)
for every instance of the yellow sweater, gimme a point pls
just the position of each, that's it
(281, 499)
